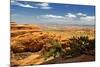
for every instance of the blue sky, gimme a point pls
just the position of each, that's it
(51, 13)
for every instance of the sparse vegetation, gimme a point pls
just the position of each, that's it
(80, 45)
(56, 50)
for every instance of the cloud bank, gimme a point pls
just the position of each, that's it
(69, 18)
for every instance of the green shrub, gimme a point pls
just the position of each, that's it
(55, 50)
(80, 45)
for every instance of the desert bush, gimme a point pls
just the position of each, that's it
(90, 48)
(56, 50)
(80, 45)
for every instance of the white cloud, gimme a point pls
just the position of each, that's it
(39, 5)
(68, 19)
(70, 15)
(44, 6)
(13, 2)
(81, 14)
(88, 18)
(52, 16)
(25, 5)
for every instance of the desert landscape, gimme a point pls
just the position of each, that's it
(51, 33)
(33, 44)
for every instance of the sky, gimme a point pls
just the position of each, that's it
(51, 13)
